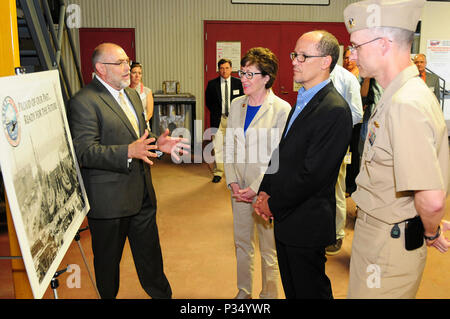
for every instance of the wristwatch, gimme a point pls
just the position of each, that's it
(438, 233)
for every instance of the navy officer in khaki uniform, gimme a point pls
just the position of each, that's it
(402, 184)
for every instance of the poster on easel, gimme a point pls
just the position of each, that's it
(42, 179)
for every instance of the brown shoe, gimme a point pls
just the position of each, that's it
(334, 249)
(242, 295)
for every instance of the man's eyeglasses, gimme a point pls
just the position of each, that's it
(355, 47)
(303, 57)
(248, 75)
(120, 63)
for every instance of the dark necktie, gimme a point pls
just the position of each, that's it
(226, 97)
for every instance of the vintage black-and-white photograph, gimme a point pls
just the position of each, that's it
(42, 179)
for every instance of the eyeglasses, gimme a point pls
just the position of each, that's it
(248, 75)
(355, 47)
(302, 57)
(120, 63)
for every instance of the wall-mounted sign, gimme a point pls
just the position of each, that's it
(438, 59)
(229, 50)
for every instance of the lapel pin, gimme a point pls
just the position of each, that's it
(351, 22)
(377, 124)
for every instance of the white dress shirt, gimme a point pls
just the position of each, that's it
(348, 86)
(115, 95)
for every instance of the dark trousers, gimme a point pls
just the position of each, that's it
(353, 168)
(108, 240)
(302, 271)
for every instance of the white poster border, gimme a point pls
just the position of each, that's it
(40, 172)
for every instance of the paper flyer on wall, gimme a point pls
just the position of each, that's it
(42, 179)
(438, 59)
(229, 50)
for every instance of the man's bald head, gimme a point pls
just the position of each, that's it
(420, 60)
(102, 50)
(112, 65)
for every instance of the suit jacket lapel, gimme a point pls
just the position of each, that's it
(243, 112)
(264, 108)
(112, 103)
(219, 93)
(291, 112)
(139, 111)
(315, 101)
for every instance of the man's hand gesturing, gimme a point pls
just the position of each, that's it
(141, 148)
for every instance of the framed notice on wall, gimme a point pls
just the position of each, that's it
(229, 50)
(42, 179)
(438, 59)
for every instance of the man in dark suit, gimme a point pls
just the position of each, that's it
(218, 96)
(113, 149)
(300, 196)
(432, 80)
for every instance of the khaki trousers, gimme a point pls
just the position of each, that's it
(219, 142)
(341, 203)
(244, 222)
(380, 266)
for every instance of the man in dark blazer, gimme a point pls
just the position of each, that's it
(218, 96)
(113, 149)
(300, 196)
(432, 80)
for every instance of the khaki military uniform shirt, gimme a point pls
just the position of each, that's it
(406, 150)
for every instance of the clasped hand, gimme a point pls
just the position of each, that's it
(242, 195)
(261, 206)
(142, 147)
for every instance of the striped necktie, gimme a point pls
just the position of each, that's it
(129, 114)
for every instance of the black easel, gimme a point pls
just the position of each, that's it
(54, 283)
(77, 239)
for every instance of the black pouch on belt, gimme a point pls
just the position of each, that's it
(414, 232)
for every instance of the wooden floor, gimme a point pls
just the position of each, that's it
(196, 233)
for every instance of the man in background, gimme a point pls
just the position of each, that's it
(348, 86)
(218, 96)
(432, 80)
